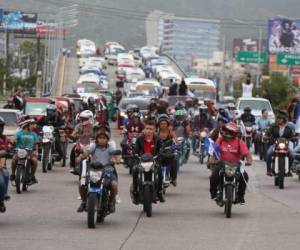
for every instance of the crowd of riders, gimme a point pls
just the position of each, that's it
(184, 124)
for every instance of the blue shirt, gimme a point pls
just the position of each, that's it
(26, 139)
(263, 123)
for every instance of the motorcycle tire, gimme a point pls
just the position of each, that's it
(65, 150)
(281, 163)
(92, 207)
(19, 179)
(201, 157)
(248, 143)
(45, 156)
(228, 202)
(147, 201)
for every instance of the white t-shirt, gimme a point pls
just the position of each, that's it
(247, 89)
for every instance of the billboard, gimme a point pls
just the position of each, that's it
(248, 44)
(284, 35)
(44, 29)
(1, 17)
(19, 22)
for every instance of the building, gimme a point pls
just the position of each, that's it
(184, 38)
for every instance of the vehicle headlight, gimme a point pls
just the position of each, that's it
(248, 129)
(281, 145)
(123, 114)
(22, 153)
(47, 135)
(230, 171)
(95, 176)
(146, 166)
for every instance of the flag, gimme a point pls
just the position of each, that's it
(297, 118)
(212, 148)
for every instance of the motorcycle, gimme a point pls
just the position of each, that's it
(264, 142)
(147, 184)
(248, 135)
(48, 142)
(98, 193)
(228, 187)
(23, 170)
(280, 161)
(130, 146)
(201, 146)
(182, 156)
(296, 164)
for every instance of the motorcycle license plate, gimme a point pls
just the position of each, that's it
(94, 190)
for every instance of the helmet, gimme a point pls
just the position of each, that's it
(152, 105)
(131, 108)
(223, 118)
(231, 105)
(179, 105)
(86, 117)
(91, 100)
(189, 101)
(230, 130)
(163, 117)
(27, 122)
(247, 110)
(51, 110)
(180, 112)
(105, 133)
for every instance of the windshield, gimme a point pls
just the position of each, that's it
(255, 105)
(202, 94)
(10, 118)
(36, 108)
(142, 104)
(88, 87)
(116, 51)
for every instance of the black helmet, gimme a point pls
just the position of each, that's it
(179, 105)
(51, 110)
(91, 100)
(282, 114)
(247, 110)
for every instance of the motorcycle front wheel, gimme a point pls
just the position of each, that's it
(228, 202)
(147, 201)
(92, 207)
(281, 163)
(20, 178)
(45, 156)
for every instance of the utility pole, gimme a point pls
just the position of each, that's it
(6, 61)
(38, 69)
(223, 78)
(258, 59)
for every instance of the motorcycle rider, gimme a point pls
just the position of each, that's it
(166, 138)
(182, 128)
(188, 104)
(162, 107)
(83, 129)
(91, 104)
(26, 138)
(232, 150)
(52, 118)
(280, 129)
(18, 99)
(215, 133)
(4, 175)
(152, 108)
(262, 123)
(247, 117)
(147, 143)
(231, 109)
(101, 152)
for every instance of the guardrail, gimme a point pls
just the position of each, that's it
(177, 65)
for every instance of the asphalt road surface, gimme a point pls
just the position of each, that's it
(45, 217)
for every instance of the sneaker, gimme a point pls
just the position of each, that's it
(6, 197)
(12, 177)
(241, 200)
(289, 174)
(174, 183)
(81, 207)
(213, 195)
(2, 207)
(269, 173)
(161, 197)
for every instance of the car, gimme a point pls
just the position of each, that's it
(256, 104)
(147, 86)
(124, 56)
(82, 61)
(111, 53)
(12, 118)
(88, 69)
(134, 75)
(35, 107)
(100, 80)
(165, 77)
(94, 62)
(87, 89)
(141, 102)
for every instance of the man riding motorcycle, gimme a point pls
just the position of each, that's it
(215, 133)
(280, 129)
(4, 175)
(83, 129)
(166, 138)
(232, 150)
(52, 118)
(26, 138)
(247, 117)
(147, 143)
(100, 153)
(91, 104)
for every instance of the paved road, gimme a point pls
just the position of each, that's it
(45, 217)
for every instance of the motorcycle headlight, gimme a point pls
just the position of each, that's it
(230, 171)
(147, 166)
(95, 176)
(47, 134)
(22, 153)
(248, 129)
(281, 146)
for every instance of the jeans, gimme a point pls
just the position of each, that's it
(194, 143)
(215, 180)
(269, 156)
(4, 178)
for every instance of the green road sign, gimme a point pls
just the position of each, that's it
(288, 59)
(252, 57)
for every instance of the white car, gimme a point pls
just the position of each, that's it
(201, 87)
(256, 105)
(111, 53)
(124, 57)
(82, 61)
(94, 62)
(134, 74)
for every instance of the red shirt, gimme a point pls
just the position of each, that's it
(3, 143)
(149, 147)
(232, 151)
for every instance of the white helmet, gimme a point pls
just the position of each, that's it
(86, 117)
